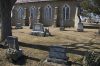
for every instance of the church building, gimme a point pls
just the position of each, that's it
(47, 12)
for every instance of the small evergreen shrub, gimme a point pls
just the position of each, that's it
(91, 59)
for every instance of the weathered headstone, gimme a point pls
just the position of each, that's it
(18, 26)
(57, 54)
(12, 42)
(13, 52)
(39, 30)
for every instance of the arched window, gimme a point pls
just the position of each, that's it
(66, 12)
(33, 12)
(48, 12)
(20, 12)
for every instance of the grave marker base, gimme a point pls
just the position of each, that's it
(39, 30)
(80, 27)
(13, 52)
(62, 28)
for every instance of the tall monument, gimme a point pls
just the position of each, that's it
(78, 25)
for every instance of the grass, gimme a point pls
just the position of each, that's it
(36, 48)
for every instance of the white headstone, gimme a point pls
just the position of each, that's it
(38, 27)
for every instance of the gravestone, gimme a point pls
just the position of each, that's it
(12, 42)
(13, 52)
(18, 26)
(57, 54)
(39, 30)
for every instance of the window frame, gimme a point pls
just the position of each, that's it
(33, 12)
(21, 12)
(48, 12)
(64, 13)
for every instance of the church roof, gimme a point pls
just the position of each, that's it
(26, 1)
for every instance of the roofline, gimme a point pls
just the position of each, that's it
(41, 1)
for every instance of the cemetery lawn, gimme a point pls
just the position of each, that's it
(36, 48)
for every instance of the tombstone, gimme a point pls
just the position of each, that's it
(13, 52)
(39, 30)
(57, 54)
(18, 26)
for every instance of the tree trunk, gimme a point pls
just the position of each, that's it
(6, 7)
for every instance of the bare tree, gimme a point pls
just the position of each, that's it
(5, 11)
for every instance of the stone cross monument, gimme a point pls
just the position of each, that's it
(78, 25)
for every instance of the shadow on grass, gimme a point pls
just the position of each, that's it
(3, 46)
(72, 50)
(35, 46)
(22, 60)
(77, 64)
(75, 46)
